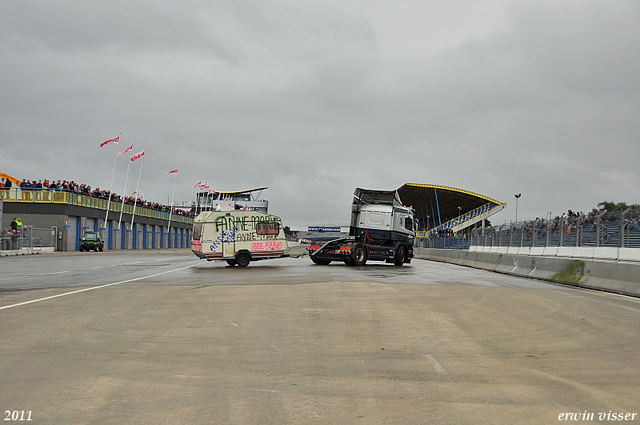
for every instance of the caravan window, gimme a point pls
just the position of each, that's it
(267, 228)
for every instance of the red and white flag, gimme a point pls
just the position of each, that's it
(116, 141)
(137, 156)
(126, 150)
(171, 172)
(198, 184)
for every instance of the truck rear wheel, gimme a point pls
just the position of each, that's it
(398, 259)
(359, 255)
(243, 260)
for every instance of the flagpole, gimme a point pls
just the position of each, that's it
(135, 201)
(106, 216)
(124, 195)
(172, 199)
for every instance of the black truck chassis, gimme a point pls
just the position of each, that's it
(355, 253)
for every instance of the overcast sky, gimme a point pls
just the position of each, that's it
(314, 98)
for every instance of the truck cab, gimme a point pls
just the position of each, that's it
(381, 229)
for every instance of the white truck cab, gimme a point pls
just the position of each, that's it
(238, 237)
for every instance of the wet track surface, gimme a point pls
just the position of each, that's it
(92, 269)
(162, 337)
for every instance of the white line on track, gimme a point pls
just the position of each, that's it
(435, 364)
(94, 287)
(78, 270)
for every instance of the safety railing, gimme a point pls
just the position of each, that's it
(28, 241)
(444, 242)
(81, 200)
(616, 230)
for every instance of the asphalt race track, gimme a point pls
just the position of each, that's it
(160, 337)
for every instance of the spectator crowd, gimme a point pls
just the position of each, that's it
(84, 189)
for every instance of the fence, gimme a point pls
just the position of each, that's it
(446, 242)
(29, 241)
(616, 230)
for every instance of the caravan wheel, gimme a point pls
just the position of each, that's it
(243, 260)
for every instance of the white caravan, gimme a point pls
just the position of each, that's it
(238, 237)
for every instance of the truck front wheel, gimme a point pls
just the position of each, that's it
(398, 259)
(359, 255)
(243, 260)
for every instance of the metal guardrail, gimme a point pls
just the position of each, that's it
(618, 230)
(28, 241)
(78, 199)
(447, 242)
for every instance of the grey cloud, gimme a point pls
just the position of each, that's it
(314, 99)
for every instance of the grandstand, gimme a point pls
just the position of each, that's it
(436, 207)
(446, 208)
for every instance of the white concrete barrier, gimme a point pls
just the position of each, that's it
(612, 276)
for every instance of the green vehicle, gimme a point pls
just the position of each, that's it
(91, 241)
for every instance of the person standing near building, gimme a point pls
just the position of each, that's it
(15, 232)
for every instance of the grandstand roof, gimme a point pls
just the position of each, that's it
(435, 204)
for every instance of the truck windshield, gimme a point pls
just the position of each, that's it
(90, 237)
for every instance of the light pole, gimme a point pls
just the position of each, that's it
(517, 197)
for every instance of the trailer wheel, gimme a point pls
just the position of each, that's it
(398, 259)
(243, 260)
(231, 262)
(359, 255)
